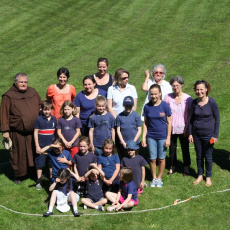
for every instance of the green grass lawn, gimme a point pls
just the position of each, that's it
(191, 38)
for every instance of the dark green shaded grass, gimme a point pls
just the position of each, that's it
(191, 38)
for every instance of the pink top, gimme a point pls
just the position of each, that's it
(58, 98)
(180, 112)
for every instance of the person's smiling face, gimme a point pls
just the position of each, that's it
(22, 83)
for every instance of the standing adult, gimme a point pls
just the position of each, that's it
(58, 93)
(117, 92)
(103, 79)
(85, 102)
(156, 132)
(158, 74)
(19, 109)
(180, 104)
(204, 129)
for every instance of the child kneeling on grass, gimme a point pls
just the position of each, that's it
(94, 181)
(127, 194)
(63, 193)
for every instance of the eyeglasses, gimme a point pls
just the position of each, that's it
(156, 72)
(124, 78)
(21, 82)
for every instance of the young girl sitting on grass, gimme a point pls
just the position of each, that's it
(136, 163)
(81, 162)
(63, 193)
(94, 181)
(127, 194)
(109, 162)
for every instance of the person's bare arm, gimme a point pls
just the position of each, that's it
(139, 129)
(144, 86)
(110, 107)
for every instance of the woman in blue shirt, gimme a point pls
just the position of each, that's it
(204, 129)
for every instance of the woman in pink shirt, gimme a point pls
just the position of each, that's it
(180, 104)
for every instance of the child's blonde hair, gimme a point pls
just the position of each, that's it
(70, 104)
(100, 98)
(109, 142)
(126, 174)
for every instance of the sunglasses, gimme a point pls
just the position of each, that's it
(124, 78)
(156, 72)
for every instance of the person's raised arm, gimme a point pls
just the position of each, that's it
(144, 86)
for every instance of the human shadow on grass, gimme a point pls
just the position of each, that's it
(179, 167)
(222, 158)
(5, 167)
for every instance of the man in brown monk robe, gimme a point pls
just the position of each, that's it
(19, 109)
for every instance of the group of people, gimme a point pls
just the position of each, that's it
(80, 132)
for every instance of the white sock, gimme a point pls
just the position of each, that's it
(75, 208)
(96, 207)
(50, 209)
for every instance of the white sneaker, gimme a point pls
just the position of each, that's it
(159, 183)
(153, 183)
(85, 207)
(111, 208)
(38, 186)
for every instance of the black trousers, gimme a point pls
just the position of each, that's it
(185, 149)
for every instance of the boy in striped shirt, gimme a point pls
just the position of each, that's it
(44, 130)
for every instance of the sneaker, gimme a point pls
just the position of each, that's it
(111, 208)
(145, 185)
(85, 207)
(76, 213)
(153, 183)
(38, 186)
(46, 214)
(100, 208)
(159, 183)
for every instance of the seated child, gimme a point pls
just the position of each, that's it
(137, 164)
(94, 181)
(81, 162)
(59, 157)
(44, 130)
(127, 194)
(109, 163)
(63, 193)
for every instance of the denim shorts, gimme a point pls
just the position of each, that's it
(156, 149)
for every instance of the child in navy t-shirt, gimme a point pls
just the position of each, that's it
(44, 130)
(101, 126)
(127, 194)
(128, 123)
(137, 164)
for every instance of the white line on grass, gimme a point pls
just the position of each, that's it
(117, 213)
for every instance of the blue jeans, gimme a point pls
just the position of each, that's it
(156, 149)
(97, 151)
(203, 151)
